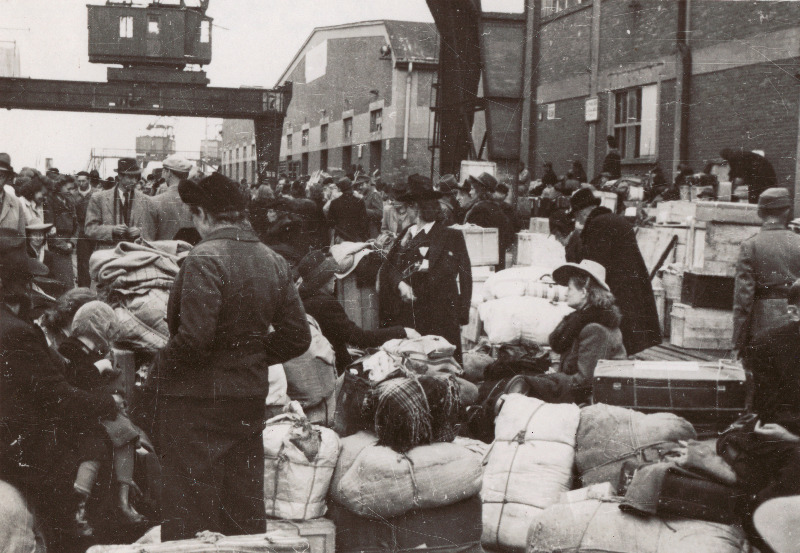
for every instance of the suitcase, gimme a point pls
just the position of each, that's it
(708, 291)
(710, 395)
(208, 542)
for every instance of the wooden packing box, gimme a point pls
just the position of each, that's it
(539, 250)
(673, 285)
(360, 304)
(715, 247)
(483, 244)
(479, 277)
(320, 532)
(727, 212)
(471, 332)
(607, 199)
(679, 211)
(700, 328)
(652, 242)
(540, 225)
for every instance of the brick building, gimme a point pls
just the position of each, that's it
(673, 80)
(361, 96)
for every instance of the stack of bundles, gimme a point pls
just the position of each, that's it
(299, 460)
(612, 438)
(527, 468)
(135, 279)
(594, 526)
(521, 320)
(534, 282)
(311, 378)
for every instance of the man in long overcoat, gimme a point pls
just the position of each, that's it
(609, 239)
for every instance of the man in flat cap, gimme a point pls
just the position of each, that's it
(768, 265)
(348, 215)
(169, 214)
(119, 214)
(233, 311)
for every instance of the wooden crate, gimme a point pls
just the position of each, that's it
(673, 285)
(540, 225)
(679, 211)
(727, 212)
(699, 328)
(483, 244)
(715, 247)
(607, 199)
(472, 331)
(661, 302)
(360, 304)
(534, 249)
(479, 276)
(320, 532)
(652, 242)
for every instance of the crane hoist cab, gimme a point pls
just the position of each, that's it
(160, 34)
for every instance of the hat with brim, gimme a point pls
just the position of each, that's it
(485, 181)
(14, 260)
(316, 269)
(582, 199)
(587, 267)
(420, 188)
(448, 184)
(128, 166)
(5, 164)
(38, 224)
(348, 255)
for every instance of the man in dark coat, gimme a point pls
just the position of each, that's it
(451, 209)
(42, 416)
(487, 214)
(233, 311)
(317, 274)
(85, 245)
(348, 215)
(609, 239)
(749, 169)
(426, 279)
(612, 163)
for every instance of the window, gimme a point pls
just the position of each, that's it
(153, 27)
(323, 133)
(635, 121)
(549, 7)
(375, 120)
(304, 138)
(205, 31)
(126, 26)
(288, 141)
(348, 128)
(323, 159)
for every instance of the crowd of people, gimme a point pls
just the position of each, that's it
(257, 286)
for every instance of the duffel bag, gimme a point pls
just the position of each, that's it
(377, 482)
(299, 460)
(450, 529)
(311, 377)
(527, 468)
(609, 437)
(594, 526)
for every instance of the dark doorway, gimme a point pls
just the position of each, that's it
(347, 158)
(375, 156)
(323, 160)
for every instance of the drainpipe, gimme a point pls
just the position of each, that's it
(408, 109)
(683, 82)
(594, 64)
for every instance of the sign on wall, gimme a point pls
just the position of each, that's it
(551, 111)
(316, 61)
(592, 114)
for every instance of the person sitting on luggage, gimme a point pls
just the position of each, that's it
(316, 285)
(588, 334)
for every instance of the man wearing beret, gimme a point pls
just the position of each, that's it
(120, 213)
(233, 311)
(610, 240)
(768, 265)
(169, 214)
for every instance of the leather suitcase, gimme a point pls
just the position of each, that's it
(710, 395)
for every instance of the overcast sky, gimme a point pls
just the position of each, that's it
(253, 42)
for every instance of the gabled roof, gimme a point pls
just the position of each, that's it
(410, 41)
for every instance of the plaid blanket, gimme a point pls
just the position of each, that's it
(402, 415)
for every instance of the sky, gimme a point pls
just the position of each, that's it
(253, 42)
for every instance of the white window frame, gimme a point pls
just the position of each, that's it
(376, 120)
(126, 26)
(636, 128)
(205, 31)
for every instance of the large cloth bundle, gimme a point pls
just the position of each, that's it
(311, 377)
(513, 282)
(609, 436)
(299, 460)
(594, 526)
(17, 528)
(528, 467)
(521, 320)
(376, 482)
(424, 355)
(450, 529)
(135, 278)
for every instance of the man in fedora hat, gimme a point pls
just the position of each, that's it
(487, 214)
(121, 213)
(12, 215)
(396, 217)
(609, 239)
(768, 265)
(168, 214)
(451, 209)
(233, 312)
(348, 215)
(426, 278)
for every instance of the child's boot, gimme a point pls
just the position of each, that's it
(128, 512)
